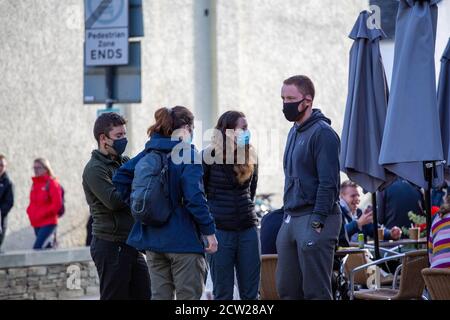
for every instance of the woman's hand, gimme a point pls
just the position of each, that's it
(212, 244)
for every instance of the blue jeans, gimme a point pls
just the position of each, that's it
(240, 250)
(45, 237)
(3, 227)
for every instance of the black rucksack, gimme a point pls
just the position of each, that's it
(150, 198)
(62, 210)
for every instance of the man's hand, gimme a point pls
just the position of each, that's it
(318, 230)
(317, 226)
(396, 233)
(365, 218)
(212, 244)
(368, 209)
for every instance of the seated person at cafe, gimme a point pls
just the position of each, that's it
(396, 200)
(439, 246)
(438, 194)
(354, 220)
(270, 225)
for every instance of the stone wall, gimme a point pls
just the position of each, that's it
(48, 275)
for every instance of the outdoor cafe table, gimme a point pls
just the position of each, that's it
(395, 243)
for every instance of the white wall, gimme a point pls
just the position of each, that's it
(259, 44)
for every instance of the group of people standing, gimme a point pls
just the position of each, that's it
(211, 204)
(45, 206)
(213, 221)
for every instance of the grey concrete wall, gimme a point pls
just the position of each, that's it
(236, 57)
(48, 275)
(41, 110)
(262, 42)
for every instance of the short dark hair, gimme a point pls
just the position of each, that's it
(105, 123)
(347, 184)
(303, 84)
(2, 157)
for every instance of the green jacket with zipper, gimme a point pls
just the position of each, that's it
(112, 220)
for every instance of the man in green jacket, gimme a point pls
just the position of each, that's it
(122, 270)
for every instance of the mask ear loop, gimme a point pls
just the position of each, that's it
(107, 143)
(311, 101)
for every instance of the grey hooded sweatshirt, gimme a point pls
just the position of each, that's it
(311, 168)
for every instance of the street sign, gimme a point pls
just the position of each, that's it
(106, 34)
(102, 111)
(126, 82)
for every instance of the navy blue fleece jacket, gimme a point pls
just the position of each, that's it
(311, 168)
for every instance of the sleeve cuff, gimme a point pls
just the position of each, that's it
(319, 217)
(207, 230)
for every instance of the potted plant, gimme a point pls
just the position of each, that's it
(418, 221)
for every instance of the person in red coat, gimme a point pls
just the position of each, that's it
(45, 203)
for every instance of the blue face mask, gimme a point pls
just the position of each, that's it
(190, 138)
(119, 145)
(243, 138)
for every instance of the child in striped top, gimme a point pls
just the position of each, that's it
(439, 242)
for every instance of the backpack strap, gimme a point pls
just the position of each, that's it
(165, 156)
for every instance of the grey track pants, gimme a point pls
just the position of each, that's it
(305, 258)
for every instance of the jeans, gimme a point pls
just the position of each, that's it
(45, 237)
(238, 250)
(3, 229)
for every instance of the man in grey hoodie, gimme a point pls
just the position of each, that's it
(312, 220)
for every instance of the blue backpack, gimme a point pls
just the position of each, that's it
(150, 199)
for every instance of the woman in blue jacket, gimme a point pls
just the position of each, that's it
(175, 250)
(231, 176)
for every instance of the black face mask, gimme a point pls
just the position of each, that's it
(290, 110)
(119, 145)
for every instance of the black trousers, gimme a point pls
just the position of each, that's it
(89, 231)
(122, 270)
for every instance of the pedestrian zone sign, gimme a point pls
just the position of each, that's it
(106, 32)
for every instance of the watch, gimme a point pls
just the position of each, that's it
(317, 224)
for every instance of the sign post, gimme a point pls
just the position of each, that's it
(106, 37)
(112, 52)
(106, 32)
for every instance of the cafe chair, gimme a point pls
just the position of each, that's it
(268, 288)
(437, 282)
(411, 283)
(361, 277)
(353, 261)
